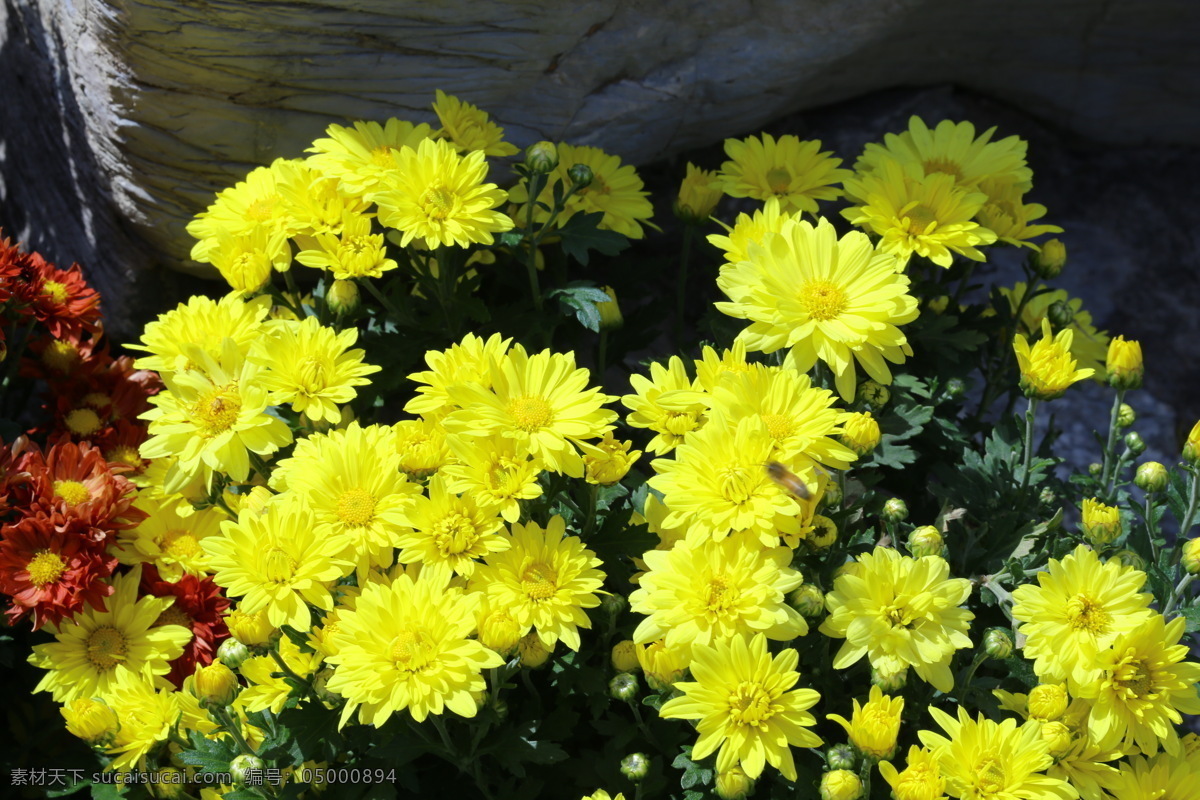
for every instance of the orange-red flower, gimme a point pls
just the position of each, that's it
(199, 606)
(12, 473)
(58, 298)
(49, 573)
(72, 484)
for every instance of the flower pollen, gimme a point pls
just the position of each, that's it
(356, 507)
(539, 581)
(822, 300)
(1084, 614)
(45, 567)
(72, 492)
(530, 413)
(105, 648)
(217, 411)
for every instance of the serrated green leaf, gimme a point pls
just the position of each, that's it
(1191, 616)
(580, 235)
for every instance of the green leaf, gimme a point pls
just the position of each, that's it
(580, 234)
(511, 238)
(1191, 615)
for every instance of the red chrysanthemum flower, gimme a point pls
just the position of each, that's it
(200, 607)
(64, 361)
(13, 475)
(49, 573)
(10, 267)
(74, 483)
(121, 446)
(63, 301)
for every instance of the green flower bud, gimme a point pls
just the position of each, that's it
(841, 756)
(342, 297)
(610, 312)
(1190, 558)
(541, 157)
(841, 784)
(889, 682)
(613, 605)
(1050, 260)
(624, 687)
(1151, 477)
(926, 541)
(635, 766)
(1126, 416)
(1060, 314)
(243, 768)
(876, 395)
(1135, 444)
(808, 599)
(1095, 468)
(580, 175)
(1191, 448)
(955, 388)
(1101, 523)
(1129, 558)
(832, 495)
(232, 653)
(895, 510)
(997, 643)
(500, 706)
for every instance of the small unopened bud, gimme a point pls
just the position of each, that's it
(215, 685)
(876, 395)
(808, 599)
(232, 653)
(1190, 558)
(841, 784)
(895, 510)
(824, 532)
(1047, 496)
(841, 756)
(1191, 448)
(734, 784)
(500, 706)
(1124, 366)
(252, 630)
(580, 175)
(1095, 468)
(1134, 442)
(861, 433)
(1129, 558)
(533, 653)
(624, 656)
(500, 632)
(1151, 477)
(613, 605)
(92, 720)
(1126, 416)
(1101, 524)
(889, 681)
(1060, 314)
(623, 687)
(698, 196)
(320, 684)
(926, 541)
(832, 495)
(243, 768)
(1048, 701)
(1057, 737)
(610, 312)
(541, 157)
(1049, 262)
(342, 297)
(997, 643)
(955, 388)
(635, 766)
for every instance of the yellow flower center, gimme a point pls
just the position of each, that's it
(737, 484)
(174, 616)
(945, 165)
(779, 180)
(356, 507)
(719, 596)
(97, 399)
(437, 202)
(779, 426)
(313, 376)
(83, 422)
(529, 413)
(356, 246)
(382, 156)
(72, 492)
(263, 208)
(919, 782)
(897, 617)
(750, 704)
(539, 581)
(280, 566)
(180, 544)
(1133, 679)
(105, 648)
(217, 410)
(1084, 614)
(919, 218)
(454, 534)
(55, 291)
(822, 300)
(411, 650)
(60, 356)
(678, 423)
(989, 776)
(124, 454)
(45, 567)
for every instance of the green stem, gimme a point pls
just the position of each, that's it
(1006, 354)
(294, 291)
(590, 525)
(681, 285)
(980, 657)
(1150, 527)
(969, 268)
(1178, 593)
(1030, 412)
(259, 465)
(288, 671)
(387, 304)
(1112, 439)
(231, 725)
(447, 289)
(1190, 515)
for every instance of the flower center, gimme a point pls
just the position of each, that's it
(60, 356)
(750, 704)
(357, 246)
(989, 776)
(262, 209)
(822, 300)
(1084, 614)
(719, 596)
(382, 156)
(1135, 681)
(437, 202)
(919, 782)
(180, 544)
(539, 581)
(55, 291)
(897, 617)
(217, 411)
(779, 426)
(945, 165)
(83, 422)
(105, 648)
(411, 650)
(174, 616)
(678, 423)
(529, 413)
(920, 217)
(313, 377)
(737, 486)
(97, 400)
(356, 507)
(454, 534)
(124, 454)
(779, 180)
(280, 566)
(72, 492)
(45, 567)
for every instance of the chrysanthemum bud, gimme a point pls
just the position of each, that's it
(610, 312)
(832, 495)
(533, 653)
(824, 532)
(92, 720)
(580, 175)
(861, 432)
(1126, 416)
(841, 756)
(841, 784)
(1060, 314)
(698, 196)
(876, 395)
(607, 461)
(342, 297)
(1101, 524)
(1047, 496)
(997, 643)
(1095, 468)
(939, 304)
(1124, 364)
(623, 687)
(895, 510)
(541, 156)
(252, 630)
(926, 541)
(1151, 477)
(1048, 701)
(500, 632)
(1191, 448)
(613, 605)
(734, 784)
(955, 388)
(168, 783)
(320, 684)
(1129, 558)
(889, 681)
(808, 599)
(1133, 441)
(1049, 262)
(256, 500)
(1190, 557)
(662, 666)
(215, 685)
(243, 767)
(232, 653)
(1057, 737)
(624, 656)
(635, 766)
(500, 706)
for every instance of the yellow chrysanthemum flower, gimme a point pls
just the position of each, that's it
(545, 580)
(495, 473)
(952, 149)
(874, 726)
(266, 687)
(438, 197)
(539, 400)
(468, 128)
(927, 215)
(352, 252)
(836, 300)
(985, 760)
(745, 705)
(361, 157)
(1161, 778)
(246, 260)
(421, 446)
(351, 481)
(899, 612)
(148, 716)
(1100, 523)
(255, 203)
(1008, 215)
(315, 206)
(615, 191)
(1077, 609)
(1089, 346)
(200, 322)
(1123, 367)
(748, 230)
(712, 367)
(921, 778)
(800, 418)
(1047, 368)
(311, 367)
(98, 651)
(668, 403)
(717, 590)
(448, 532)
(796, 173)
(699, 193)
(1144, 684)
(718, 484)
(406, 645)
(607, 461)
(168, 539)
(1080, 762)
(468, 361)
(277, 561)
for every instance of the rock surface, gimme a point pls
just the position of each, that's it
(122, 117)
